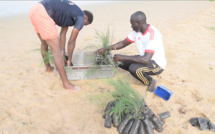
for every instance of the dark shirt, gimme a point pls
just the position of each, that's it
(64, 13)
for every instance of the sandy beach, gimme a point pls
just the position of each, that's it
(34, 102)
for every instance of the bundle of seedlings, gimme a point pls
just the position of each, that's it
(129, 112)
(105, 38)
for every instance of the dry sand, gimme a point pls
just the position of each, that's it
(34, 102)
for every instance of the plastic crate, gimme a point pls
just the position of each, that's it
(84, 67)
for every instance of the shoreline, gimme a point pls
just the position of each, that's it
(23, 7)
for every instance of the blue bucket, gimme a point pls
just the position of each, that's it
(163, 92)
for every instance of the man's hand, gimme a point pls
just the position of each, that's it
(118, 57)
(69, 63)
(101, 51)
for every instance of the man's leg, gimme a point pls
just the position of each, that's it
(142, 72)
(125, 65)
(63, 51)
(54, 44)
(44, 48)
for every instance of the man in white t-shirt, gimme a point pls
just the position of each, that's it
(151, 59)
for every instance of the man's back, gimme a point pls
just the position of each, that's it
(64, 13)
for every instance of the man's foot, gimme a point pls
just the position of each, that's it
(72, 88)
(49, 69)
(152, 85)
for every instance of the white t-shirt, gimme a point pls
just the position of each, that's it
(151, 42)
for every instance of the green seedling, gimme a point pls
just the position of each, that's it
(213, 28)
(48, 56)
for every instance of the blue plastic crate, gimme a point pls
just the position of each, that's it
(163, 92)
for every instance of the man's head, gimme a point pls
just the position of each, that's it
(88, 17)
(137, 20)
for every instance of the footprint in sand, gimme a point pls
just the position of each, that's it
(210, 67)
(196, 96)
(212, 101)
(177, 80)
(4, 132)
(179, 101)
(195, 53)
(182, 109)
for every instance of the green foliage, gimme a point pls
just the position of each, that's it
(212, 0)
(101, 96)
(91, 47)
(124, 98)
(48, 56)
(104, 37)
(213, 28)
(92, 70)
(127, 99)
(68, 69)
(100, 60)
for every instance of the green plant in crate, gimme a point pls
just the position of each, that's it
(106, 39)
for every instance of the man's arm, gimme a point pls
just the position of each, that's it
(63, 40)
(116, 46)
(138, 59)
(120, 45)
(71, 44)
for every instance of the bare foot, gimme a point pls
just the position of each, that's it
(72, 88)
(49, 69)
(152, 85)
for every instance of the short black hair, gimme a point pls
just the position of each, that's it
(89, 16)
(139, 16)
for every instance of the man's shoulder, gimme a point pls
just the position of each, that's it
(155, 30)
(152, 26)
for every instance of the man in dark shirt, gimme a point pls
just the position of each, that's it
(48, 13)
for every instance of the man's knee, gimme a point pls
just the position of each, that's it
(123, 65)
(132, 69)
(120, 66)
